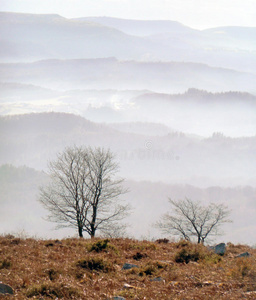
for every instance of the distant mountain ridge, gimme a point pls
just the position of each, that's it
(140, 27)
(28, 37)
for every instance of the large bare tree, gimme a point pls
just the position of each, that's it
(83, 192)
(191, 219)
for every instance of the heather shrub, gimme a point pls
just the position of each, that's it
(102, 245)
(95, 264)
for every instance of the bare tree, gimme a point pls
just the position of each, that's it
(191, 219)
(83, 193)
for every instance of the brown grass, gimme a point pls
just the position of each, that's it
(85, 269)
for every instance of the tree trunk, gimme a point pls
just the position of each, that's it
(80, 231)
(92, 233)
(94, 214)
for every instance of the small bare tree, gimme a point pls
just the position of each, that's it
(83, 192)
(191, 219)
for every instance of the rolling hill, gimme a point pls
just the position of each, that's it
(110, 73)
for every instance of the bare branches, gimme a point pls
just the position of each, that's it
(83, 192)
(194, 220)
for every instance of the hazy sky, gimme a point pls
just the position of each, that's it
(195, 13)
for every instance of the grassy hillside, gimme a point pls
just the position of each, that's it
(85, 269)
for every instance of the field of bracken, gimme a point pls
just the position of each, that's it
(125, 268)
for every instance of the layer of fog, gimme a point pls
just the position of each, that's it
(19, 198)
(194, 112)
(174, 157)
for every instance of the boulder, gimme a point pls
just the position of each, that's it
(5, 289)
(219, 249)
(245, 254)
(128, 266)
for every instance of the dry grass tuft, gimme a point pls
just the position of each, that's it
(52, 291)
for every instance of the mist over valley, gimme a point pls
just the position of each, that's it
(176, 106)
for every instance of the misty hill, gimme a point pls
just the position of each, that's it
(199, 96)
(216, 46)
(34, 139)
(200, 111)
(28, 37)
(232, 36)
(149, 129)
(140, 27)
(19, 192)
(31, 37)
(110, 73)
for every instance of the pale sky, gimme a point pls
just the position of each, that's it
(198, 14)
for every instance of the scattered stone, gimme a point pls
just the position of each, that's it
(219, 249)
(245, 254)
(157, 279)
(127, 266)
(5, 289)
(49, 245)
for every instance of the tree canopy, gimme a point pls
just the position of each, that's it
(191, 219)
(84, 191)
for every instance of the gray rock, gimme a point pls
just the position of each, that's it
(118, 298)
(5, 289)
(220, 249)
(127, 266)
(245, 254)
(157, 279)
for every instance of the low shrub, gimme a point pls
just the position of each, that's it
(189, 253)
(53, 291)
(152, 268)
(183, 243)
(139, 256)
(243, 269)
(102, 245)
(53, 274)
(95, 264)
(5, 264)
